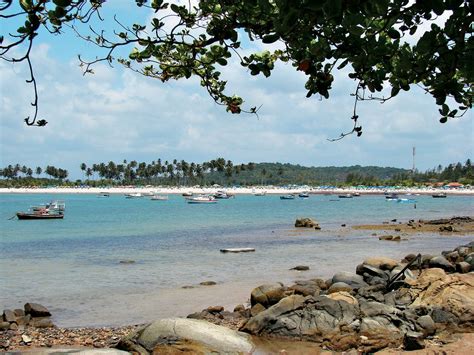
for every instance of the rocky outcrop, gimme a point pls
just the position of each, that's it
(306, 223)
(33, 315)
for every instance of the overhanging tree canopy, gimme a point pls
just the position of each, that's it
(381, 43)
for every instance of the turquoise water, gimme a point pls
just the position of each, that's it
(73, 265)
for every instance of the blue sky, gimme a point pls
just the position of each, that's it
(116, 114)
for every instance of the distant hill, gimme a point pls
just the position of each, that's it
(284, 174)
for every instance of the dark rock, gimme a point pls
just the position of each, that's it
(470, 259)
(267, 295)
(372, 293)
(208, 283)
(9, 316)
(343, 225)
(442, 263)
(187, 286)
(447, 229)
(453, 257)
(409, 258)
(300, 268)
(127, 262)
(463, 251)
(463, 267)
(36, 310)
(320, 283)
(350, 278)
(395, 238)
(413, 341)
(440, 315)
(426, 325)
(305, 288)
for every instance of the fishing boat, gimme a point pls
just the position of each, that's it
(159, 198)
(187, 194)
(303, 195)
(201, 199)
(439, 195)
(287, 197)
(53, 206)
(222, 195)
(391, 197)
(39, 215)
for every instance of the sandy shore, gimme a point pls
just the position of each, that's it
(271, 190)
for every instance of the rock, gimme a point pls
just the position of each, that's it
(4, 325)
(305, 288)
(339, 287)
(381, 263)
(451, 292)
(470, 259)
(26, 339)
(187, 286)
(372, 293)
(239, 308)
(9, 316)
(343, 296)
(41, 323)
(23, 320)
(426, 325)
(350, 278)
(442, 263)
(306, 223)
(36, 310)
(395, 238)
(463, 267)
(409, 258)
(208, 283)
(19, 312)
(267, 295)
(204, 337)
(300, 268)
(303, 317)
(442, 316)
(256, 309)
(463, 251)
(413, 341)
(127, 262)
(215, 309)
(13, 326)
(447, 229)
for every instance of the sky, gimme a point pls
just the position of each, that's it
(116, 114)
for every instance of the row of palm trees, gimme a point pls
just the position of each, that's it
(174, 172)
(17, 171)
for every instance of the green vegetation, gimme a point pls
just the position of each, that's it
(226, 173)
(396, 44)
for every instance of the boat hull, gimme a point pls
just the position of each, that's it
(29, 216)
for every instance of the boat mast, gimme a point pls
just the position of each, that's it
(413, 168)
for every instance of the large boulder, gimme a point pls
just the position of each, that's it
(36, 310)
(268, 295)
(306, 223)
(350, 278)
(381, 263)
(451, 292)
(441, 262)
(177, 334)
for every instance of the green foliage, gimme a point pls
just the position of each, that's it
(318, 37)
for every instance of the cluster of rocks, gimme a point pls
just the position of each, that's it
(385, 303)
(33, 315)
(307, 223)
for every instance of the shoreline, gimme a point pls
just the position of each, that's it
(270, 190)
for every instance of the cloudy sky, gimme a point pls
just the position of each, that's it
(116, 114)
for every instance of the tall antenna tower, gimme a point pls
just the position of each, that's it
(414, 152)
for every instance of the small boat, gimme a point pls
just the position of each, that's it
(201, 199)
(263, 193)
(103, 194)
(134, 195)
(356, 194)
(187, 194)
(405, 200)
(222, 195)
(303, 195)
(345, 196)
(159, 198)
(287, 197)
(392, 196)
(439, 195)
(39, 215)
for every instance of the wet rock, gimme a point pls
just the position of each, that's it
(413, 341)
(239, 308)
(395, 238)
(300, 268)
(447, 229)
(268, 294)
(442, 263)
(215, 309)
(305, 288)
(306, 223)
(36, 310)
(256, 309)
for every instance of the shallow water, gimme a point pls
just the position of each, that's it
(72, 266)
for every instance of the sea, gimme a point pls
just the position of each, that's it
(114, 261)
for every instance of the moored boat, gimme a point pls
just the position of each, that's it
(262, 193)
(39, 215)
(303, 195)
(287, 197)
(439, 195)
(203, 199)
(159, 198)
(134, 195)
(345, 196)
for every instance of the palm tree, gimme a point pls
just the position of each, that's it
(38, 171)
(83, 168)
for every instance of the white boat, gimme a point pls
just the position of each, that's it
(345, 196)
(263, 193)
(134, 195)
(222, 195)
(103, 194)
(53, 206)
(287, 197)
(201, 199)
(159, 198)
